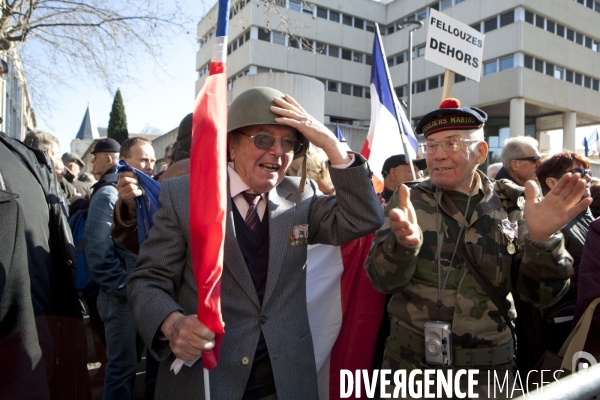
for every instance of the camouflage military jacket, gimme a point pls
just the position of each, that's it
(411, 275)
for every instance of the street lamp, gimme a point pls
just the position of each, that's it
(414, 25)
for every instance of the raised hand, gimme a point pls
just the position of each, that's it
(403, 220)
(544, 218)
(188, 337)
(292, 114)
(128, 189)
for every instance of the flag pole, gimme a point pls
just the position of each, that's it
(217, 68)
(395, 100)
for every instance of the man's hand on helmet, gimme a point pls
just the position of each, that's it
(292, 114)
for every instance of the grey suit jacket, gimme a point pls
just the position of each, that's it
(163, 282)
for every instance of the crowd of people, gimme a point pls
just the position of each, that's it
(501, 264)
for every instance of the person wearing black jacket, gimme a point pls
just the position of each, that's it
(52, 264)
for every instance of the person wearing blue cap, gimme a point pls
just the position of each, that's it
(454, 246)
(110, 266)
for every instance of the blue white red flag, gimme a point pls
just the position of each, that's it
(388, 119)
(339, 134)
(208, 188)
(588, 142)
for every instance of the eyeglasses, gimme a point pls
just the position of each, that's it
(266, 142)
(533, 159)
(450, 144)
(580, 171)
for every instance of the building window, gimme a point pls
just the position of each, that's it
(587, 82)
(560, 30)
(322, 12)
(589, 43)
(490, 67)
(357, 91)
(420, 86)
(346, 89)
(477, 26)
(445, 4)
(549, 69)
(368, 59)
(307, 10)
(390, 29)
(278, 38)
(347, 54)
(419, 51)
(294, 5)
(595, 84)
(507, 63)
(370, 27)
(422, 14)
(357, 57)
(433, 83)
(367, 93)
(458, 78)
(579, 38)
(569, 76)
(400, 91)
(320, 47)
(334, 16)
(332, 86)
(334, 51)
(578, 78)
(539, 66)
(490, 24)
(294, 43)
(550, 26)
(507, 19)
(263, 35)
(539, 21)
(346, 20)
(559, 73)
(390, 61)
(359, 23)
(529, 17)
(570, 35)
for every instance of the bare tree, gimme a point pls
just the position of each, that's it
(106, 40)
(151, 130)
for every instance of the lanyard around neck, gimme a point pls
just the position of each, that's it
(439, 244)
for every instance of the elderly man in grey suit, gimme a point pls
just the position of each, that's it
(267, 350)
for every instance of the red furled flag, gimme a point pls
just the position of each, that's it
(208, 189)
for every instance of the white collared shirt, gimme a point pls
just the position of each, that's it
(237, 186)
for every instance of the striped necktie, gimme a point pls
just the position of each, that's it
(252, 215)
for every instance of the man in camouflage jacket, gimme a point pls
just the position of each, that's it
(513, 254)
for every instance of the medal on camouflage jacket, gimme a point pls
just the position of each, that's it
(509, 229)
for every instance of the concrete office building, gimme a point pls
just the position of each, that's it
(540, 70)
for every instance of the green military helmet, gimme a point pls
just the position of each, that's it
(252, 107)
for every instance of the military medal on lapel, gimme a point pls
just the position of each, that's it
(299, 235)
(294, 239)
(509, 229)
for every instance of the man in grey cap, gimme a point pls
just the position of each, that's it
(110, 266)
(396, 171)
(73, 165)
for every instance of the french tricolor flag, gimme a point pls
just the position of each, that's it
(208, 189)
(388, 119)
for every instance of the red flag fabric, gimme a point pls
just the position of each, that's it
(208, 201)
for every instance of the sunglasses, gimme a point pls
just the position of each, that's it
(532, 158)
(580, 171)
(266, 142)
